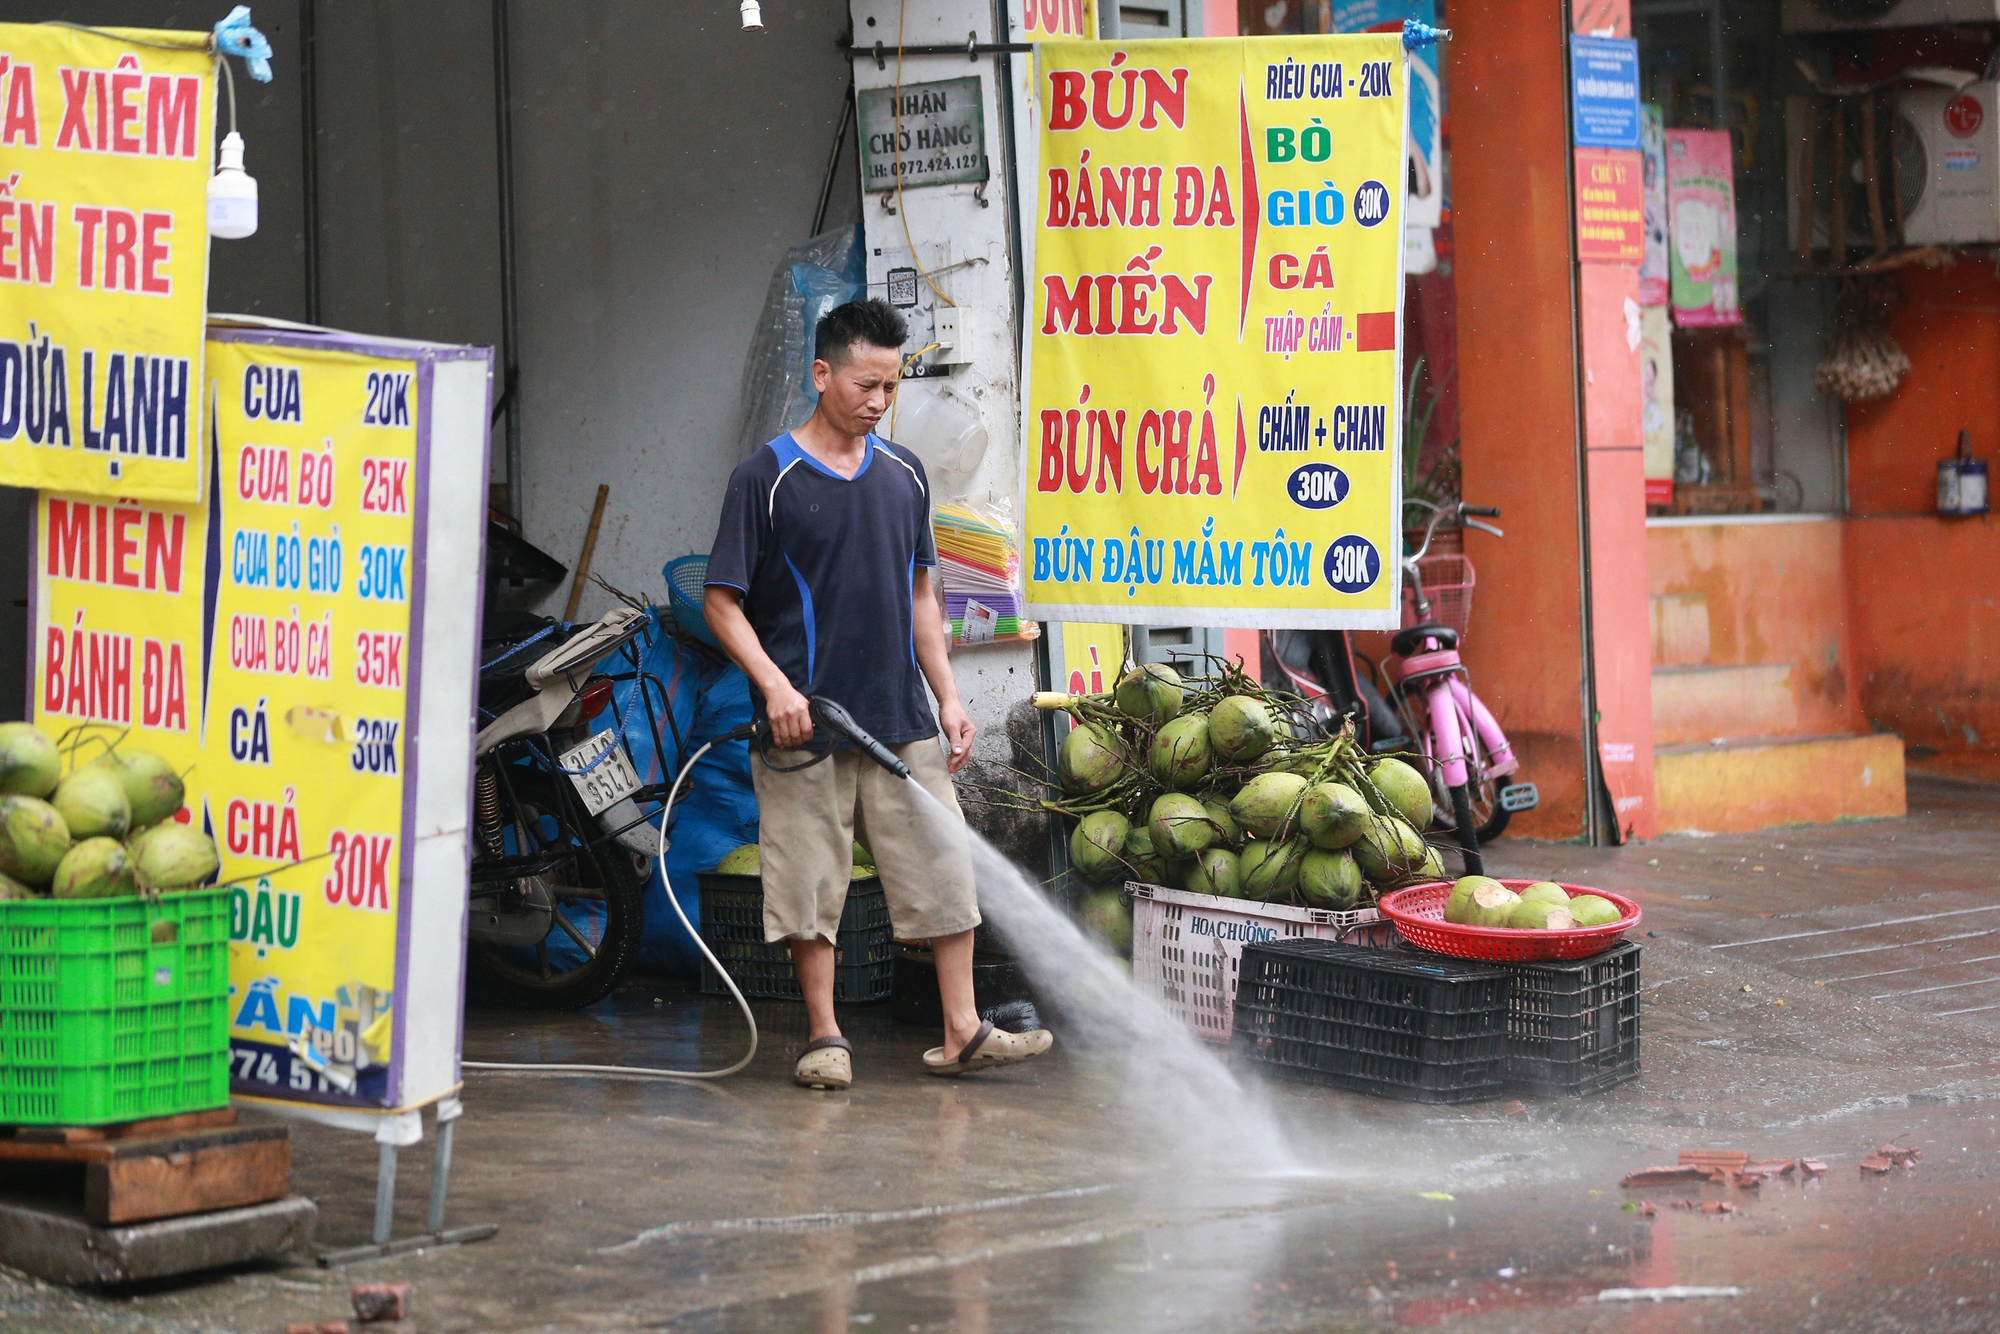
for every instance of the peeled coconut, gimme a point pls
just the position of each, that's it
(1546, 891)
(1216, 872)
(746, 860)
(1181, 753)
(1149, 694)
(1108, 916)
(1333, 815)
(30, 764)
(152, 788)
(96, 868)
(1097, 844)
(1461, 896)
(1241, 728)
(1271, 870)
(1389, 851)
(1180, 826)
(1404, 789)
(1227, 831)
(1594, 910)
(174, 856)
(1492, 905)
(1329, 879)
(33, 839)
(1540, 915)
(1089, 760)
(1265, 801)
(93, 804)
(1142, 862)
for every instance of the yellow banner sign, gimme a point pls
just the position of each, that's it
(262, 642)
(104, 165)
(1212, 426)
(1056, 20)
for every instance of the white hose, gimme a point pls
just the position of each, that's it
(638, 1071)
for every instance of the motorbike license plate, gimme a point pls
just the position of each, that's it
(601, 770)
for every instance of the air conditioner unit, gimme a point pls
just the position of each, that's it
(1948, 164)
(1844, 15)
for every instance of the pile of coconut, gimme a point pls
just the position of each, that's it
(1480, 900)
(1220, 787)
(105, 829)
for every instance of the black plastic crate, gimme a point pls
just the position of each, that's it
(1419, 1028)
(1573, 1026)
(732, 925)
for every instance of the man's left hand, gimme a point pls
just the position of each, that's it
(958, 734)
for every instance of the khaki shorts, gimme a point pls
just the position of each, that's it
(808, 821)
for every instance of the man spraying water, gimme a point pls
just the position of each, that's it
(819, 584)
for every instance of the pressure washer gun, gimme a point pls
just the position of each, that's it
(829, 714)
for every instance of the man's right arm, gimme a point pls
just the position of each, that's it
(791, 719)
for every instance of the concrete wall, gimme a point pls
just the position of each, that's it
(1926, 614)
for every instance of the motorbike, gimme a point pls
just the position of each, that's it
(563, 838)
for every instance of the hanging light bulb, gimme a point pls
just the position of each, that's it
(232, 194)
(753, 16)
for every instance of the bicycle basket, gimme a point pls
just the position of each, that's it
(686, 586)
(1448, 581)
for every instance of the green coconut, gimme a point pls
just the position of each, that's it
(173, 856)
(1149, 694)
(1142, 863)
(1271, 870)
(1330, 878)
(1492, 905)
(1404, 789)
(1460, 897)
(746, 860)
(1333, 815)
(1107, 916)
(1096, 845)
(96, 868)
(1181, 753)
(33, 839)
(1216, 871)
(1241, 728)
(1390, 851)
(30, 764)
(93, 804)
(1227, 831)
(1546, 891)
(1540, 915)
(13, 891)
(1265, 801)
(1090, 759)
(1433, 867)
(863, 857)
(1594, 910)
(152, 788)
(1180, 826)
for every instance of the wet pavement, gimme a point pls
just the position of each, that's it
(1036, 1200)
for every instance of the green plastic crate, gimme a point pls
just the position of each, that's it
(732, 925)
(113, 1009)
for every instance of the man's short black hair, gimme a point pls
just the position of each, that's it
(873, 321)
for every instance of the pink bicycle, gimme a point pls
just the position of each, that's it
(1432, 694)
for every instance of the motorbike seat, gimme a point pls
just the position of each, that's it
(1411, 640)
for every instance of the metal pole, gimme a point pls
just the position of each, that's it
(833, 159)
(309, 150)
(440, 1175)
(385, 1193)
(503, 135)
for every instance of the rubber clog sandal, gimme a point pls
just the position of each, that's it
(825, 1064)
(989, 1047)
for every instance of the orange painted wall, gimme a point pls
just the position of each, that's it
(1775, 594)
(1517, 386)
(1925, 592)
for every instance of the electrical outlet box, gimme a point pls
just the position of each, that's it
(948, 330)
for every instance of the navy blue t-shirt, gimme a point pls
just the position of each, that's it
(827, 566)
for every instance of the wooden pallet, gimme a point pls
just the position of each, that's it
(160, 1168)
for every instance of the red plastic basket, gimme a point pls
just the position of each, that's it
(1418, 913)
